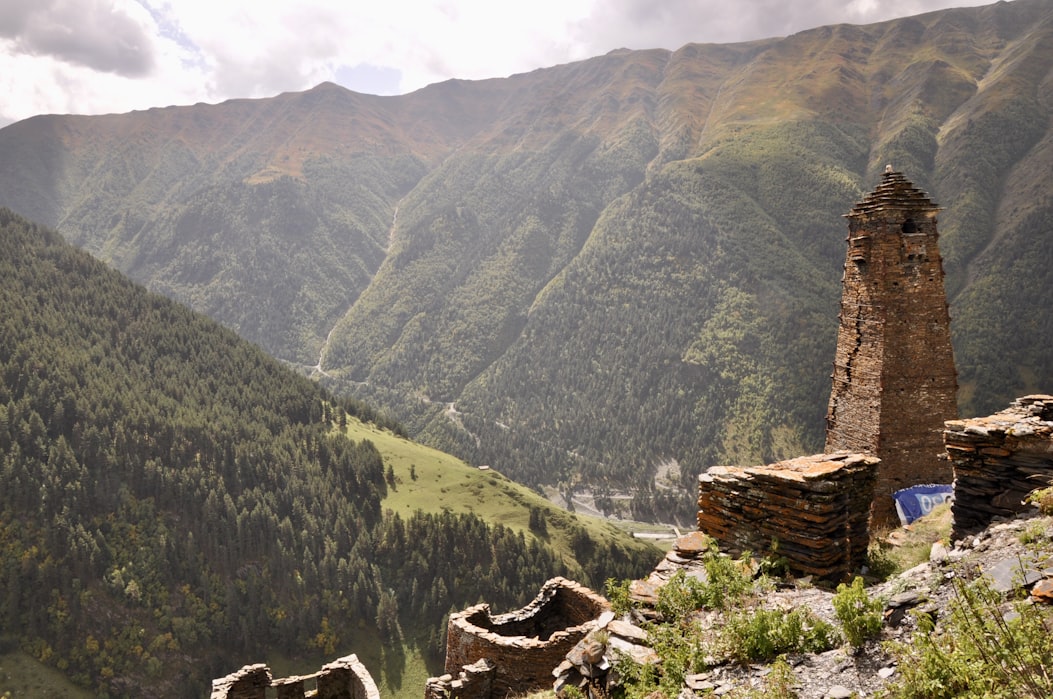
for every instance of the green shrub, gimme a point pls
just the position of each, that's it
(727, 580)
(1034, 533)
(859, 615)
(780, 683)
(979, 652)
(880, 562)
(1043, 499)
(752, 635)
(680, 650)
(618, 595)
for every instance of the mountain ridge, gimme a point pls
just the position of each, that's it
(605, 265)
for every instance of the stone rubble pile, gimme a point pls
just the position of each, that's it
(815, 509)
(589, 664)
(998, 460)
(473, 681)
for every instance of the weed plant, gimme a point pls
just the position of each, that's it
(780, 683)
(981, 651)
(752, 635)
(1043, 500)
(618, 595)
(860, 616)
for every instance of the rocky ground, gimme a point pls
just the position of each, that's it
(1012, 554)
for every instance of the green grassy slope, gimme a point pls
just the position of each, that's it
(432, 481)
(23, 676)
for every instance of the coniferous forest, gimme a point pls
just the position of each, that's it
(174, 502)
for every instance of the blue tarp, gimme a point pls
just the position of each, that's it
(918, 500)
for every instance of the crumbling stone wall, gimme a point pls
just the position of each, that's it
(998, 460)
(475, 681)
(250, 682)
(815, 507)
(894, 381)
(526, 644)
(344, 678)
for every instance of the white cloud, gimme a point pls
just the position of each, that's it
(93, 56)
(111, 37)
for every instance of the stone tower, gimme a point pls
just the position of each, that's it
(894, 381)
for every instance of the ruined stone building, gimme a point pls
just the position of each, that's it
(344, 678)
(520, 648)
(894, 381)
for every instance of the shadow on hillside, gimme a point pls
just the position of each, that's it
(393, 665)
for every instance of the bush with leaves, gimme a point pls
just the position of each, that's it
(780, 683)
(859, 615)
(726, 582)
(1043, 500)
(618, 595)
(984, 649)
(680, 650)
(682, 595)
(752, 635)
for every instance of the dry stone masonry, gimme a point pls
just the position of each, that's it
(475, 681)
(344, 678)
(894, 381)
(686, 555)
(815, 507)
(998, 460)
(523, 645)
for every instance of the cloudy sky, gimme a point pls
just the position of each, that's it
(99, 56)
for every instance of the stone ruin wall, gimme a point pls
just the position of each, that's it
(815, 507)
(344, 678)
(998, 460)
(475, 681)
(523, 646)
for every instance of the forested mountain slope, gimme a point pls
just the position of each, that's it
(591, 271)
(175, 503)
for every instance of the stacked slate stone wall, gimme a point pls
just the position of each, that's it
(815, 508)
(998, 460)
(526, 644)
(344, 678)
(250, 682)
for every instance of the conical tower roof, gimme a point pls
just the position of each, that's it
(895, 195)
